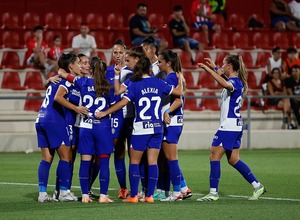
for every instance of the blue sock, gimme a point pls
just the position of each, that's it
(152, 179)
(183, 182)
(143, 175)
(43, 175)
(64, 174)
(71, 170)
(175, 174)
(84, 176)
(121, 172)
(57, 180)
(245, 171)
(134, 178)
(104, 175)
(94, 171)
(215, 174)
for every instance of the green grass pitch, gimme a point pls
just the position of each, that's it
(278, 170)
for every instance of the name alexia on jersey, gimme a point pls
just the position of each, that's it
(149, 90)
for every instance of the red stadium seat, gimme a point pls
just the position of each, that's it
(11, 39)
(26, 37)
(201, 38)
(190, 82)
(262, 57)
(157, 20)
(247, 59)
(252, 82)
(73, 21)
(10, 21)
(10, 59)
(281, 39)
(11, 80)
(221, 40)
(33, 80)
(241, 40)
(255, 102)
(53, 21)
(200, 55)
(262, 40)
(30, 20)
(206, 81)
(69, 37)
(34, 101)
(220, 57)
(101, 39)
(237, 22)
(116, 21)
(95, 21)
(49, 36)
(296, 40)
(186, 60)
(219, 19)
(210, 103)
(190, 103)
(102, 56)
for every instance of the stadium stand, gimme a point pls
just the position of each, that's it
(52, 21)
(30, 20)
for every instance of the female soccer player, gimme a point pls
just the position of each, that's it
(151, 49)
(146, 93)
(121, 121)
(169, 62)
(227, 139)
(52, 134)
(95, 135)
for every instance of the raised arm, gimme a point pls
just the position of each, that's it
(114, 108)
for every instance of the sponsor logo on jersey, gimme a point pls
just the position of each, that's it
(150, 124)
(180, 119)
(239, 122)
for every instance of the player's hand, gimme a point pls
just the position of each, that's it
(100, 114)
(167, 118)
(210, 63)
(117, 69)
(203, 66)
(55, 79)
(82, 110)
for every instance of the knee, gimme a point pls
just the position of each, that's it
(280, 26)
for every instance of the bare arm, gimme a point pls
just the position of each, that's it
(112, 109)
(53, 79)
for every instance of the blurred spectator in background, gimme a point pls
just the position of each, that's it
(200, 17)
(295, 9)
(218, 7)
(54, 52)
(140, 28)
(36, 50)
(276, 87)
(291, 60)
(274, 62)
(84, 43)
(293, 88)
(180, 32)
(281, 16)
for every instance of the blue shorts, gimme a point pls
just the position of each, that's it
(121, 127)
(73, 134)
(142, 142)
(50, 135)
(284, 19)
(228, 139)
(172, 134)
(200, 23)
(192, 42)
(95, 141)
(139, 40)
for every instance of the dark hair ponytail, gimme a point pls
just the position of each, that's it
(141, 67)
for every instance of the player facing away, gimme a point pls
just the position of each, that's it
(122, 120)
(52, 135)
(95, 137)
(146, 92)
(227, 139)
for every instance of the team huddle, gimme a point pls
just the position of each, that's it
(96, 110)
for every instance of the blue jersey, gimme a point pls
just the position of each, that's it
(231, 101)
(146, 95)
(73, 96)
(93, 103)
(176, 115)
(50, 110)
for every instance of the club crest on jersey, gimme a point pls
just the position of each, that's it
(149, 90)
